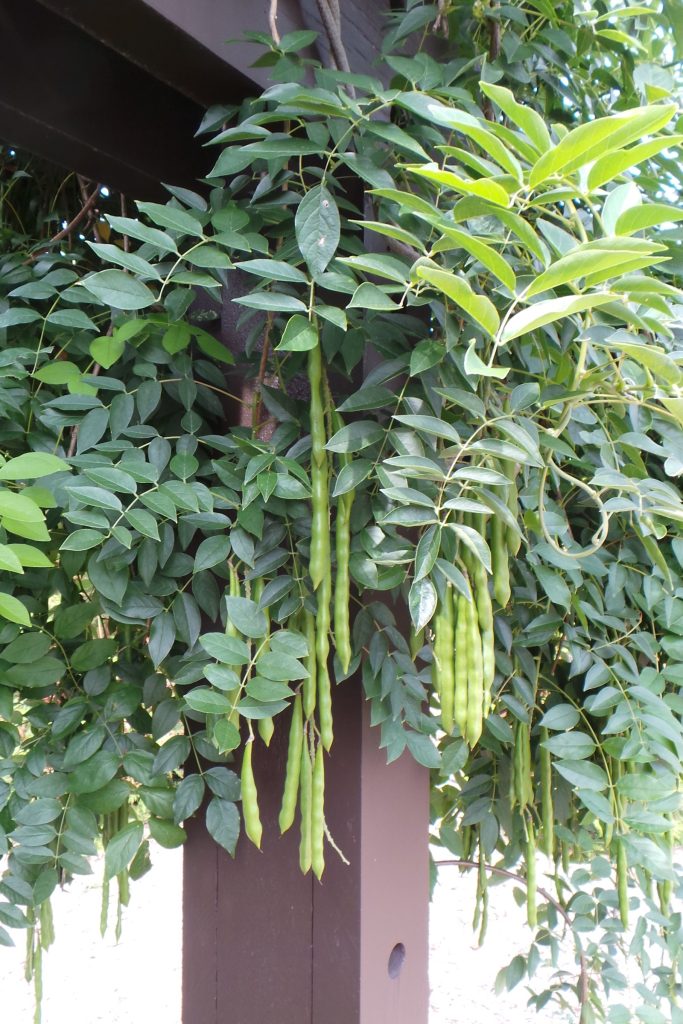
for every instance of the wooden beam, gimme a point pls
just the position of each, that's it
(74, 102)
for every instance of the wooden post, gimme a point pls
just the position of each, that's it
(262, 942)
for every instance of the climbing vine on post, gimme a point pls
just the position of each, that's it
(462, 336)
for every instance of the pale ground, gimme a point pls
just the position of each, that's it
(94, 981)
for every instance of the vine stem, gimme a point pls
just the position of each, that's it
(583, 987)
(272, 22)
(73, 223)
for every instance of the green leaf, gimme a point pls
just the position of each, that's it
(273, 302)
(121, 849)
(475, 542)
(542, 313)
(372, 296)
(31, 466)
(317, 228)
(561, 717)
(212, 551)
(208, 702)
(526, 118)
(422, 748)
(27, 648)
(119, 290)
(300, 335)
(166, 833)
(273, 270)
(188, 797)
(74, 318)
(573, 745)
(129, 260)
(223, 823)
(136, 229)
(479, 307)
(595, 139)
(280, 666)
(18, 315)
(209, 257)
(144, 522)
(354, 437)
(14, 610)
(171, 217)
(246, 616)
(583, 775)
(227, 649)
(422, 603)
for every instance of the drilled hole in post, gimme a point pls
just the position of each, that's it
(396, 960)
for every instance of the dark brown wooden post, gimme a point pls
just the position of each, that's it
(261, 942)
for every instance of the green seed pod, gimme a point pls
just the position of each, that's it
(250, 807)
(461, 664)
(318, 813)
(475, 678)
(531, 887)
(305, 853)
(293, 770)
(622, 880)
(547, 809)
(446, 666)
(500, 565)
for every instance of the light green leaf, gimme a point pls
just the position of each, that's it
(14, 610)
(596, 138)
(589, 258)
(638, 218)
(454, 238)
(542, 313)
(32, 465)
(485, 188)
(476, 367)
(61, 371)
(610, 166)
(479, 307)
(107, 350)
(300, 335)
(526, 118)
(18, 507)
